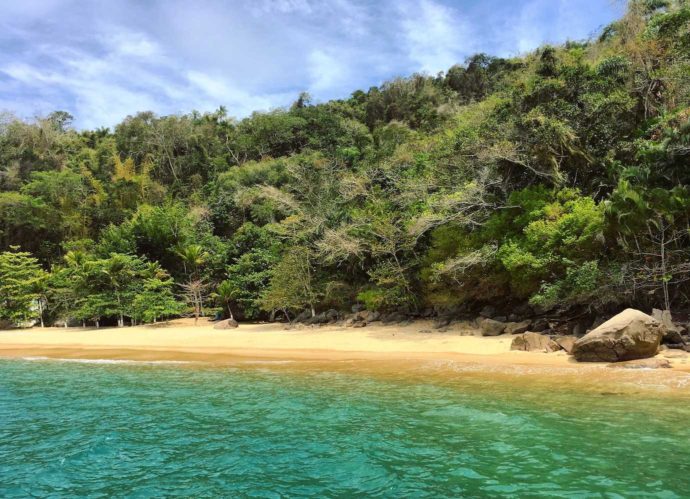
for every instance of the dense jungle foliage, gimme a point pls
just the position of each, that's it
(559, 179)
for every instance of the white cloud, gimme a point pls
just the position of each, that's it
(436, 37)
(104, 60)
(325, 71)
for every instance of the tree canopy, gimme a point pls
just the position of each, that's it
(559, 178)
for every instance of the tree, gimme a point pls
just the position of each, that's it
(194, 291)
(292, 285)
(225, 294)
(156, 300)
(22, 281)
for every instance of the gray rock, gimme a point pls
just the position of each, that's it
(303, 316)
(539, 325)
(629, 335)
(393, 317)
(491, 327)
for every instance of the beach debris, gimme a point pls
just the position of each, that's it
(629, 335)
(517, 327)
(491, 327)
(534, 342)
(642, 364)
(226, 324)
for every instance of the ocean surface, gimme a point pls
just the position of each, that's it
(100, 429)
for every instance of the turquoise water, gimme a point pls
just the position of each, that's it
(100, 430)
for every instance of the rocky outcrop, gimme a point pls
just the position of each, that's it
(629, 335)
(491, 327)
(534, 342)
(226, 324)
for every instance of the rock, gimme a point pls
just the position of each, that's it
(643, 364)
(357, 308)
(517, 327)
(425, 331)
(629, 335)
(513, 318)
(488, 312)
(442, 322)
(598, 321)
(579, 329)
(426, 313)
(369, 316)
(500, 318)
(534, 342)
(226, 324)
(317, 319)
(665, 318)
(303, 316)
(566, 343)
(540, 325)
(332, 315)
(359, 324)
(393, 317)
(491, 327)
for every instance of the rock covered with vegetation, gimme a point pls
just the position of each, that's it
(557, 179)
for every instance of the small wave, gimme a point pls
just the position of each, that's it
(107, 361)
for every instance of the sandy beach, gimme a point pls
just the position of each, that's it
(182, 340)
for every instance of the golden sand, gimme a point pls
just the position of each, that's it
(182, 340)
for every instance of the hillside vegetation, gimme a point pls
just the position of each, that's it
(558, 179)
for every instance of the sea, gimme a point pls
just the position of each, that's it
(274, 429)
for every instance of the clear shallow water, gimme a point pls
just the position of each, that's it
(263, 430)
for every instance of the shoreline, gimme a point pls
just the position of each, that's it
(182, 340)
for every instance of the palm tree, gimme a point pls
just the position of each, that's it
(193, 256)
(225, 293)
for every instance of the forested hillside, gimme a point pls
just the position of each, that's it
(557, 179)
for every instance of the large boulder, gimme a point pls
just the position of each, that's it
(491, 327)
(226, 324)
(629, 335)
(534, 342)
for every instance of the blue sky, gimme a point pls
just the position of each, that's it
(103, 60)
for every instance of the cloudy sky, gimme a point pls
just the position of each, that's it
(103, 60)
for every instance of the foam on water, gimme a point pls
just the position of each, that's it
(107, 361)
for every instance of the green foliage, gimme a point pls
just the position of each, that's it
(22, 283)
(500, 179)
(156, 300)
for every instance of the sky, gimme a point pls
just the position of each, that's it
(104, 60)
